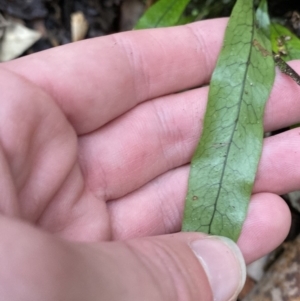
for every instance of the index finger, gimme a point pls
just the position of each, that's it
(96, 80)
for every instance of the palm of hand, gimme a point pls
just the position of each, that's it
(61, 180)
(98, 151)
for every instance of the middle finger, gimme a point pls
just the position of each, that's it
(163, 133)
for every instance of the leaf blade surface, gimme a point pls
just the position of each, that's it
(224, 164)
(163, 13)
(291, 46)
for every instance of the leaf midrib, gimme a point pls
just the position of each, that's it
(232, 135)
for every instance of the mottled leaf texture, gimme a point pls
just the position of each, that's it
(163, 13)
(284, 42)
(224, 165)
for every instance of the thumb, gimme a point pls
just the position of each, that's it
(183, 266)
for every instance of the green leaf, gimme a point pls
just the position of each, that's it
(163, 13)
(284, 41)
(185, 20)
(224, 164)
(263, 19)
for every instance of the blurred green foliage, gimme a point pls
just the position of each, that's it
(163, 13)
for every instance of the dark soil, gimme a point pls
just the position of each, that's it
(53, 17)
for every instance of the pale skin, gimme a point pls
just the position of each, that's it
(95, 147)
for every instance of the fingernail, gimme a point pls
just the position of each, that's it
(224, 265)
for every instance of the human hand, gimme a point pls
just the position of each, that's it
(95, 147)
